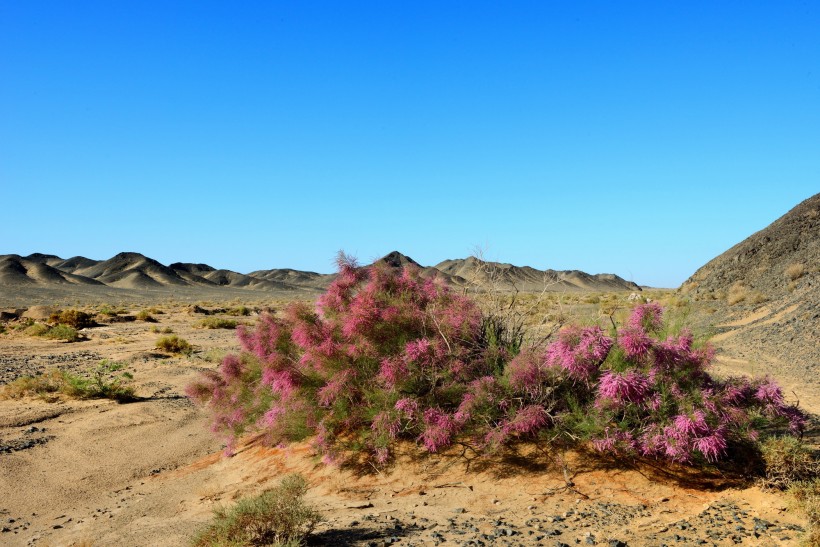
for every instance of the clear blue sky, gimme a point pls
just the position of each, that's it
(638, 138)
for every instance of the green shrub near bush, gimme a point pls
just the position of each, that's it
(62, 332)
(217, 323)
(104, 382)
(73, 318)
(276, 517)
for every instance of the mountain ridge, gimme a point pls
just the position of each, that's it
(134, 270)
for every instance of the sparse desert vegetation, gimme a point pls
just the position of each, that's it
(103, 382)
(217, 323)
(278, 517)
(174, 344)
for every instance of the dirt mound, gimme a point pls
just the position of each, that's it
(768, 289)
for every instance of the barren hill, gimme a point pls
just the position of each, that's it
(136, 272)
(524, 278)
(769, 284)
(15, 271)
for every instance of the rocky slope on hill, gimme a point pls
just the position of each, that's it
(767, 289)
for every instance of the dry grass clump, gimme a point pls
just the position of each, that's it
(161, 330)
(216, 323)
(174, 344)
(145, 315)
(806, 496)
(737, 294)
(111, 311)
(795, 271)
(239, 311)
(276, 517)
(792, 466)
(788, 460)
(103, 383)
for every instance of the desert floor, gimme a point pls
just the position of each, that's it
(150, 473)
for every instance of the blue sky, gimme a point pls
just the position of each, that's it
(639, 138)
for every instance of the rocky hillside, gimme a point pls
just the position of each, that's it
(767, 291)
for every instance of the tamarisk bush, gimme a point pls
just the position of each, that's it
(386, 355)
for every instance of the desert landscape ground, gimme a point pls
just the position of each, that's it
(149, 472)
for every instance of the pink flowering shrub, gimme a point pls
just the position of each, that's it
(386, 355)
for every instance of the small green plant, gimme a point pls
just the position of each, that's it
(277, 517)
(161, 330)
(174, 344)
(239, 311)
(146, 316)
(35, 329)
(217, 323)
(112, 311)
(62, 332)
(73, 318)
(103, 383)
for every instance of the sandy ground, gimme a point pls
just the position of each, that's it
(150, 473)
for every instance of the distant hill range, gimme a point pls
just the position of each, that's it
(136, 271)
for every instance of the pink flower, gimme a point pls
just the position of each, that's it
(635, 342)
(579, 351)
(629, 387)
(528, 420)
(408, 407)
(647, 317)
(231, 367)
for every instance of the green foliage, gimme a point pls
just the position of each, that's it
(103, 383)
(174, 344)
(62, 332)
(111, 311)
(239, 311)
(161, 330)
(73, 318)
(277, 517)
(788, 461)
(35, 329)
(217, 323)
